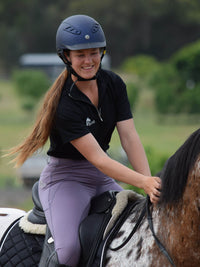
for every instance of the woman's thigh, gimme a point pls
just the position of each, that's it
(109, 185)
(66, 204)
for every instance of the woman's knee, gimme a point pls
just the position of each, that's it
(69, 254)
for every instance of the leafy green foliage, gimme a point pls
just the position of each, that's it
(177, 83)
(187, 62)
(165, 82)
(156, 159)
(133, 93)
(141, 65)
(30, 85)
(131, 27)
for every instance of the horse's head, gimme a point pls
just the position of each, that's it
(176, 170)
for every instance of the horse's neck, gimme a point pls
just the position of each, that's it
(179, 223)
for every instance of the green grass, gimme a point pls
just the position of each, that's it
(14, 125)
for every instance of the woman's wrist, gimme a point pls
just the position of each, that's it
(141, 181)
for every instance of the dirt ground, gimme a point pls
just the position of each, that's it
(12, 197)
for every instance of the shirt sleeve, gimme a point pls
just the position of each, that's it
(70, 129)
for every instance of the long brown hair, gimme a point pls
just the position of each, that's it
(42, 127)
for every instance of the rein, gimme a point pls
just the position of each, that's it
(150, 221)
(133, 231)
(146, 209)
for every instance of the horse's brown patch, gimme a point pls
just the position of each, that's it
(129, 253)
(119, 234)
(139, 248)
(179, 230)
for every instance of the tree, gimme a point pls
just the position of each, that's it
(177, 84)
(153, 27)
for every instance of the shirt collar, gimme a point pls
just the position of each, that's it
(76, 94)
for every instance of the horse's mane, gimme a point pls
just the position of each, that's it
(175, 172)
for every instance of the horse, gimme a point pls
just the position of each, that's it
(176, 218)
(162, 235)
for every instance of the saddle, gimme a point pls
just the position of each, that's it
(92, 229)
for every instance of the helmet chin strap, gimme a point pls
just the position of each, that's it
(72, 71)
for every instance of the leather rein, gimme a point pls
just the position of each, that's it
(146, 210)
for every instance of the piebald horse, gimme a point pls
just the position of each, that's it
(175, 219)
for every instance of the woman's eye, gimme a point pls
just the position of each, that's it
(95, 54)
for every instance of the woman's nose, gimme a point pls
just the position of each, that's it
(88, 58)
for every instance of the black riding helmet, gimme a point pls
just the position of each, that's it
(79, 32)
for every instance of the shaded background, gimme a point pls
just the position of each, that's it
(154, 27)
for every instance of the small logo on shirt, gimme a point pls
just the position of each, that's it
(89, 122)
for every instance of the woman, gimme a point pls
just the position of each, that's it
(79, 114)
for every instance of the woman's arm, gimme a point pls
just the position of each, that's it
(133, 147)
(90, 149)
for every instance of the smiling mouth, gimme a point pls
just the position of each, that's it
(88, 68)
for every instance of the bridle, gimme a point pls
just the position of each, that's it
(146, 210)
(150, 222)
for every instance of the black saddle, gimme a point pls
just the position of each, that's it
(36, 216)
(92, 228)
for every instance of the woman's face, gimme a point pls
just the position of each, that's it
(85, 62)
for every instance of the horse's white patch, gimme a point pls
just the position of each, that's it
(138, 246)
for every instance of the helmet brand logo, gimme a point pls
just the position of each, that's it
(72, 30)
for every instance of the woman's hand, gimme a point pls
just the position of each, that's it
(152, 187)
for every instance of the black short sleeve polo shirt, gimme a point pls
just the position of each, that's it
(76, 116)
